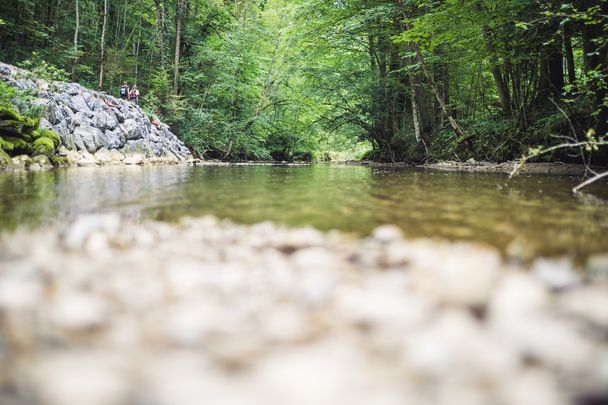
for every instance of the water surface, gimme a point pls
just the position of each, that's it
(537, 212)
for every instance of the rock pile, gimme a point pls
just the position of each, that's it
(96, 128)
(105, 311)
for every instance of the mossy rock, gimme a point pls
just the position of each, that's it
(11, 126)
(47, 133)
(13, 144)
(22, 161)
(9, 113)
(14, 123)
(43, 161)
(59, 161)
(5, 160)
(43, 146)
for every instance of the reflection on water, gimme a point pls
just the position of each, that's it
(537, 211)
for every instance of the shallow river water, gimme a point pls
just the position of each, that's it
(537, 213)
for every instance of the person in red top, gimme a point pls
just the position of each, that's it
(134, 94)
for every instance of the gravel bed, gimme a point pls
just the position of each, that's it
(105, 311)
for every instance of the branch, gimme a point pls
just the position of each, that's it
(589, 181)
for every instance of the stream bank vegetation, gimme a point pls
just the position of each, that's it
(402, 80)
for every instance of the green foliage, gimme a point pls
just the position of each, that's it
(316, 79)
(40, 69)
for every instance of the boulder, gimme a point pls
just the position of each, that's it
(104, 120)
(86, 159)
(73, 157)
(111, 120)
(42, 161)
(139, 146)
(131, 129)
(78, 104)
(63, 151)
(134, 159)
(88, 138)
(110, 139)
(67, 136)
(119, 115)
(73, 89)
(44, 123)
(81, 119)
(107, 157)
(22, 161)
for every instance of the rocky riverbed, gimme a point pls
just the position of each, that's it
(107, 311)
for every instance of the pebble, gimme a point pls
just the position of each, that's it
(387, 233)
(103, 310)
(77, 378)
(555, 274)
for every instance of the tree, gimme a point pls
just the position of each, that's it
(102, 58)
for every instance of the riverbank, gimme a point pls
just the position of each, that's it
(73, 125)
(105, 157)
(108, 311)
(555, 168)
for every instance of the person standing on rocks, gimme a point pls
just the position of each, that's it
(124, 91)
(134, 94)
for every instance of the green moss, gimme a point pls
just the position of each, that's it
(8, 112)
(12, 122)
(47, 133)
(13, 144)
(19, 133)
(5, 160)
(43, 146)
(59, 161)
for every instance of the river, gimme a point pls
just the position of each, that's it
(537, 214)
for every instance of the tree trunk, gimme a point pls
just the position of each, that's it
(555, 64)
(103, 45)
(416, 114)
(124, 21)
(137, 44)
(76, 41)
(442, 77)
(178, 36)
(569, 57)
(160, 28)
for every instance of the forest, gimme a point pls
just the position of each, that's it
(391, 80)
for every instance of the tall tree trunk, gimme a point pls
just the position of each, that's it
(555, 64)
(76, 41)
(160, 28)
(442, 77)
(415, 112)
(124, 20)
(103, 43)
(138, 43)
(569, 54)
(179, 11)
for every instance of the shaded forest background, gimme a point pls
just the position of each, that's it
(408, 80)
